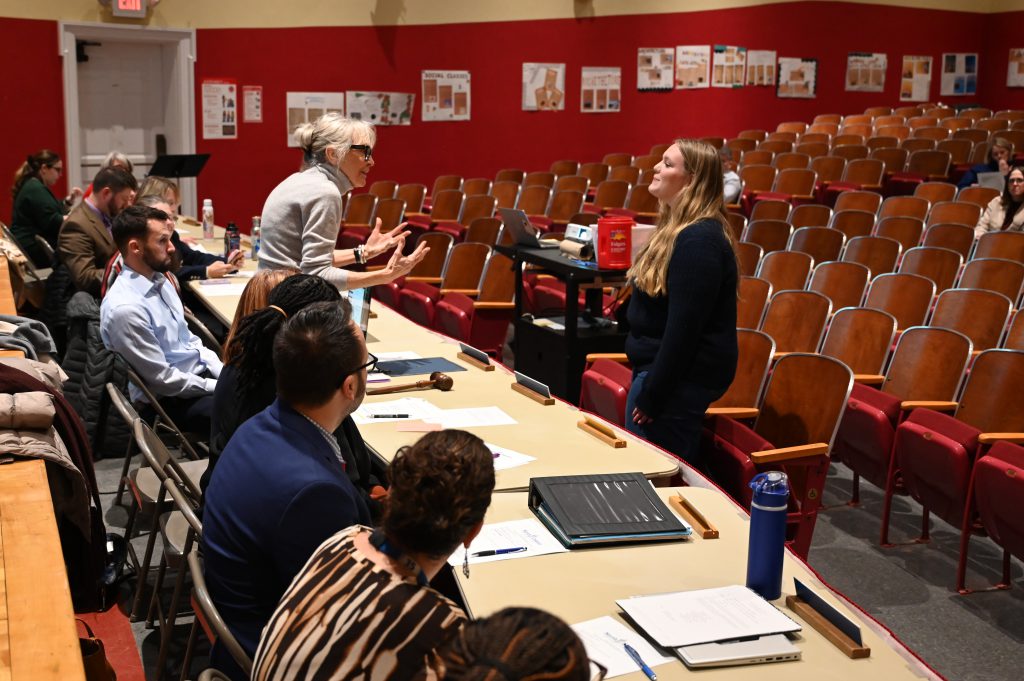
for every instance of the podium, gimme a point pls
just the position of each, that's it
(557, 357)
(178, 166)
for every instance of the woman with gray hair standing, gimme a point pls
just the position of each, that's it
(302, 215)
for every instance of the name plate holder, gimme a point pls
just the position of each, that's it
(535, 390)
(474, 357)
(601, 432)
(696, 519)
(829, 622)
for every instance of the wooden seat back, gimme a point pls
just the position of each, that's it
(739, 145)
(941, 265)
(915, 144)
(479, 206)
(540, 177)
(476, 185)
(755, 357)
(1014, 337)
(565, 167)
(785, 270)
(893, 159)
(771, 235)
(360, 209)
(752, 298)
(384, 189)
(957, 238)
(498, 283)
(804, 400)
(853, 223)
(737, 223)
(791, 159)
(973, 135)
(595, 172)
(936, 192)
(936, 133)
(510, 175)
(565, 204)
(810, 215)
(866, 172)
(981, 196)
(642, 201)
(465, 266)
(506, 192)
(756, 135)
(756, 157)
(844, 138)
(446, 182)
(413, 194)
(776, 146)
(994, 274)
(992, 124)
(978, 314)
(992, 400)
(390, 213)
(829, 168)
(612, 194)
(757, 177)
(850, 152)
(860, 338)
(959, 150)
(878, 253)
(811, 149)
(907, 297)
(748, 255)
(956, 212)
(796, 320)
(483, 231)
(617, 159)
(769, 209)
(843, 283)
(881, 141)
(859, 200)
(797, 182)
(447, 205)
(820, 243)
(1009, 245)
(434, 261)
(928, 364)
(904, 207)
(646, 162)
(533, 200)
(572, 183)
(907, 231)
(628, 174)
(929, 163)
(797, 127)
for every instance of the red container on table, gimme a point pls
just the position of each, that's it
(615, 242)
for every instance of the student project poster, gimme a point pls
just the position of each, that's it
(381, 108)
(761, 68)
(798, 78)
(601, 89)
(1015, 70)
(915, 78)
(446, 95)
(693, 67)
(959, 74)
(306, 107)
(252, 103)
(728, 66)
(220, 109)
(865, 71)
(543, 87)
(654, 68)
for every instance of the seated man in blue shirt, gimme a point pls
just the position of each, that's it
(280, 487)
(141, 318)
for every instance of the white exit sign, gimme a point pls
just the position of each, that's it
(135, 9)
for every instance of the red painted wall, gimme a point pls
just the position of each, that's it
(31, 100)
(241, 172)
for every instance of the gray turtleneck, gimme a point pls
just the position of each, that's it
(300, 223)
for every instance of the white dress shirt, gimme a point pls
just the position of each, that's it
(144, 321)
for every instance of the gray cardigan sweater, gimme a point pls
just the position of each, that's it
(300, 223)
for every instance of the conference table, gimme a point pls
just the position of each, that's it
(584, 584)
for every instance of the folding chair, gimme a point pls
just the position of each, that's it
(941, 265)
(878, 253)
(534, 200)
(820, 243)
(793, 185)
(359, 211)
(446, 207)
(829, 169)
(796, 320)
(934, 452)
(753, 297)
(755, 178)
(844, 283)
(927, 366)
(630, 174)
(210, 621)
(785, 270)
(978, 314)
(793, 432)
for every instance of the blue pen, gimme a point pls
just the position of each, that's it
(631, 651)
(498, 552)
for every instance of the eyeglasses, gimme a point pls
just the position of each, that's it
(1015, 180)
(365, 148)
(370, 367)
(59, 169)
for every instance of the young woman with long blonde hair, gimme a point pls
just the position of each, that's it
(682, 316)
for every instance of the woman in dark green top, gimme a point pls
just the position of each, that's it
(36, 209)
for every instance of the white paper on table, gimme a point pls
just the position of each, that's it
(242, 274)
(507, 535)
(390, 356)
(181, 231)
(508, 458)
(218, 289)
(687, 618)
(199, 247)
(415, 408)
(377, 377)
(471, 417)
(603, 638)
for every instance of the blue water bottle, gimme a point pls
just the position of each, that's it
(767, 533)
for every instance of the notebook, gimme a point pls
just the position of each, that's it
(596, 510)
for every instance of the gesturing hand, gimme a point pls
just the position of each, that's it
(399, 265)
(379, 242)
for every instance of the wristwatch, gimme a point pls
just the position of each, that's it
(358, 252)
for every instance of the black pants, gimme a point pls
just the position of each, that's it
(190, 414)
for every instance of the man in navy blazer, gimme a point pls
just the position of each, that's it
(280, 488)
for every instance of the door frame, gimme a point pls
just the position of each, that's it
(181, 91)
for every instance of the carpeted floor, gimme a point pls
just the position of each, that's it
(909, 588)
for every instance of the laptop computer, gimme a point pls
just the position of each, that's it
(772, 648)
(359, 298)
(992, 180)
(522, 231)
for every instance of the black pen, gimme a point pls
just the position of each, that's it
(498, 552)
(390, 416)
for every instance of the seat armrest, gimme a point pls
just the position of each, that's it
(733, 412)
(493, 305)
(990, 438)
(925, 404)
(470, 292)
(788, 453)
(425, 280)
(619, 357)
(869, 379)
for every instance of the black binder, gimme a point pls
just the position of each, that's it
(596, 510)
(178, 165)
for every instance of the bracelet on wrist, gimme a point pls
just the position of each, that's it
(359, 255)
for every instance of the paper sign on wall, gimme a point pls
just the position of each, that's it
(865, 71)
(654, 68)
(252, 103)
(728, 66)
(915, 78)
(381, 108)
(446, 95)
(543, 87)
(693, 65)
(761, 67)
(220, 109)
(798, 77)
(601, 89)
(959, 74)
(305, 107)
(1015, 70)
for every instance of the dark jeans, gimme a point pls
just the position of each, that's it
(191, 414)
(677, 428)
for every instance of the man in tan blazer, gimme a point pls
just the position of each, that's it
(85, 244)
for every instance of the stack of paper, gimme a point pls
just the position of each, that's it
(401, 409)
(513, 539)
(605, 639)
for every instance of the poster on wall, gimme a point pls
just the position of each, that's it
(304, 107)
(446, 95)
(865, 71)
(1015, 71)
(798, 78)
(693, 66)
(601, 89)
(252, 103)
(761, 68)
(728, 65)
(381, 108)
(543, 87)
(959, 74)
(654, 68)
(915, 78)
(220, 109)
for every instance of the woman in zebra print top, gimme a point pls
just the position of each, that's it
(361, 607)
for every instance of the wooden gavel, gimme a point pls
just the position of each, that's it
(438, 380)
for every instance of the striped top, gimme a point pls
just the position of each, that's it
(343, 617)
